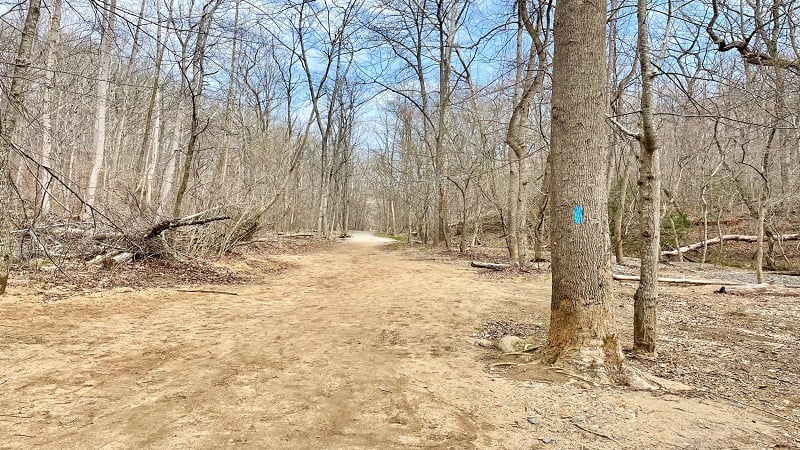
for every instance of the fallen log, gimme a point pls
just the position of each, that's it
(726, 237)
(760, 289)
(489, 265)
(184, 222)
(297, 235)
(115, 258)
(692, 281)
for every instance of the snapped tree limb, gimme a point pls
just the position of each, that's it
(726, 237)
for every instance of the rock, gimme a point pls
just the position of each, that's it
(510, 344)
(533, 421)
(548, 440)
(576, 419)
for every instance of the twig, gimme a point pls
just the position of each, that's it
(788, 419)
(500, 364)
(569, 374)
(207, 291)
(779, 379)
(597, 433)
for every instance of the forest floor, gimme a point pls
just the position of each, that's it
(363, 345)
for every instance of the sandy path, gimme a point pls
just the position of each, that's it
(356, 347)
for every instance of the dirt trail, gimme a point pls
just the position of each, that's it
(356, 347)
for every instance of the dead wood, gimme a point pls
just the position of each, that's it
(761, 289)
(207, 291)
(596, 433)
(114, 258)
(489, 265)
(177, 223)
(699, 282)
(726, 237)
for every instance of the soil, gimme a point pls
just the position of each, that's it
(366, 345)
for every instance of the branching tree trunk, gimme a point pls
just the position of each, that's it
(196, 92)
(529, 82)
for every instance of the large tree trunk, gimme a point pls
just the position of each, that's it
(8, 124)
(645, 301)
(582, 331)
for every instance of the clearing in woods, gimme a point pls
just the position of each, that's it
(356, 346)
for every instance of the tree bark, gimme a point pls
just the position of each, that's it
(49, 104)
(581, 331)
(645, 301)
(101, 107)
(9, 116)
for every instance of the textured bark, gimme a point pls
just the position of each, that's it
(645, 301)
(582, 331)
(9, 115)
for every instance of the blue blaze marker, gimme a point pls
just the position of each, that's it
(577, 214)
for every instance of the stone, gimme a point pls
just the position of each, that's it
(510, 344)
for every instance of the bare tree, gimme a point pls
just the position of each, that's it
(12, 111)
(530, 76)
(108, 14)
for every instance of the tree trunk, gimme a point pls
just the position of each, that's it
(8, 124)
(619, 213)
(151, 124)
(645, 301)
(101, 107)
(196, 92)
(154, 154)
(512, 226)
(581, 320)
(49, 104)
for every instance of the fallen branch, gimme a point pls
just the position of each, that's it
(488, 265)
(757, 408)
(763, 289)
(503, 364)
(112, 259)
(727, 237)
(183, 222)
(698, 282)
(297, 235)
(207, 291)
(596, 433)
